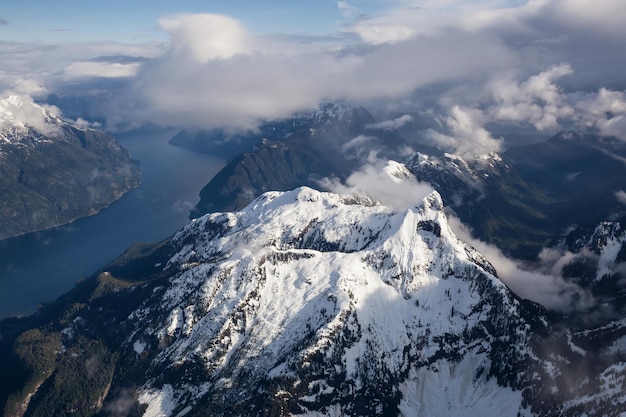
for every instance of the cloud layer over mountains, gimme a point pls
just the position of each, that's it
(537, 64)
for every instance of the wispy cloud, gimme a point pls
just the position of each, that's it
(392, 124)
(38, 69)
(346, 9)
(3, 21)
(467, 137)
(538, 103)
(545, 286)
(21, 110)
(387, 182)
(621, 196)
(101, 69)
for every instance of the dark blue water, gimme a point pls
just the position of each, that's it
(39, 267)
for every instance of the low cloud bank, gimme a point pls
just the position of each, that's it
(545, 286)
(387, 182)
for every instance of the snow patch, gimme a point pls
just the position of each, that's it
(139, 347)
(160, 402)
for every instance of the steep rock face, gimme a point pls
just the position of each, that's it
(52, 172)
(311, 303)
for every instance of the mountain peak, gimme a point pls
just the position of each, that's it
(319, 298)
(20, 116)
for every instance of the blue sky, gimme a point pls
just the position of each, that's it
(137, 20)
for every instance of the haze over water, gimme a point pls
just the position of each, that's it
(39, 267)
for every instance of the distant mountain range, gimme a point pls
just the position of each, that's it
(54, 172)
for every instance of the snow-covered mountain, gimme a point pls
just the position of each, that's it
(20, 118)
(53, 171)
(320, 304)
(315, 304)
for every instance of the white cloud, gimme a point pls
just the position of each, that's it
(467, 137)
(621, 196)
(536, 101)
(24, 86)
(387, 182)
(215, 73)
(365, 148)
(381, 32)
(18, 111)
(38, 69)
(101, 69)
(85, 124)
(206, 36)
(346, 8)
(607, 16)
(546, 288)
(195, 85)
(393, 124)
(430, 18)
(604, 111)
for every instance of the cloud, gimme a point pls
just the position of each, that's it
(242, 79)
(387, 182)
(39, 69)
(3, 21)
(431, 18)
(85, 124)
(20, 110)
(467, 137)
(383, 32)
(606, 16)
(532, 64)
(205, 37)
(216, 74)
(547, 288)
(361, 147)
(346, 9)
(621, 196)
(122, 403)
(101, 69)
(392, 124)
(536, 101)
(604, 111)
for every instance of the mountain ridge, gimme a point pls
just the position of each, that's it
(53, 171)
